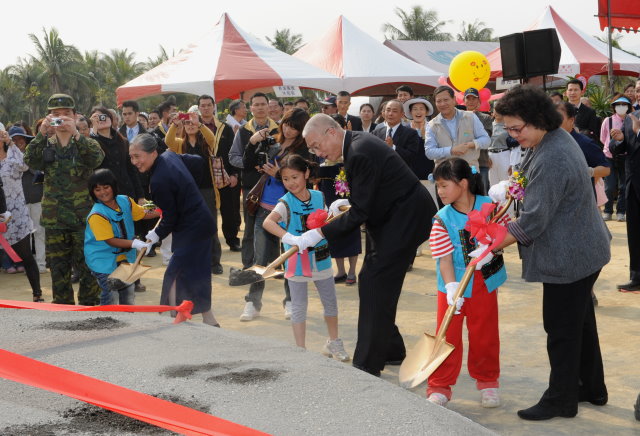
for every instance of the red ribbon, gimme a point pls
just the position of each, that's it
(133, 404)
(184, 309)
(317, 219)
(304, 261)
(6, 246)
(488, 233)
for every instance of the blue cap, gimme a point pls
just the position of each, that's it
(623, 100)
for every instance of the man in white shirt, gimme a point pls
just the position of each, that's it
(237, 115)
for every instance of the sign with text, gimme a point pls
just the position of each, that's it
(287, 91)
(506, 84)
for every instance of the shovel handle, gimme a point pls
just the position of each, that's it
(141, 253)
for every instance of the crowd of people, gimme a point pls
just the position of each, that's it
(88, 192)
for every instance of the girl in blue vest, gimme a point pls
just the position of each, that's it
(109, 237)
(288, 221)
(460, 188)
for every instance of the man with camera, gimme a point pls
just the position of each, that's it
(67, 160)
(252, 134)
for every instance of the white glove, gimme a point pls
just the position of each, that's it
(153, 237)
(498, 192)
(4, 217)
(309, 239)
(141, 245)
(452, 288)
(290, 239)
(334, 209)
(477, 252)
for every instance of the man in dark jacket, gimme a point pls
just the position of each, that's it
(391, 201)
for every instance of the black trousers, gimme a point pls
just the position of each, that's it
(230, 214)
(247, 254)
(572, 344)
(633, 231)
(23, 249)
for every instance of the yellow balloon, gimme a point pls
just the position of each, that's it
(469, 69)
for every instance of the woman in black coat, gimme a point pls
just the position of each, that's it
(174, 189)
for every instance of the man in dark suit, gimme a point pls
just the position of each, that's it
(587, 121)
(397, 210)
(404, 140)
(628, 141)
(343, 102)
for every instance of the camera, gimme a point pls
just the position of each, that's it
(55, 122)
(49, 155)
(269, 140)
(262, 152)
(183, 116)
(102, 117)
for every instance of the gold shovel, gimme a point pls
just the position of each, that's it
(429, 353)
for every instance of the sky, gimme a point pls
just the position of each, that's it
(141, 27)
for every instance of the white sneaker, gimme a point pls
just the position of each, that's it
(490, 397)
(620, 217)
(438, 398)
(606, 216)
(249, 313)
(336, 350)
(287, 310)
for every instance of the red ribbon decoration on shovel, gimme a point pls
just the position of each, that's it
(184, 309)
(5, 244)
(133, 404)
(488, 233)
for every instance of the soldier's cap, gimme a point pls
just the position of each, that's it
(61, 101)
(472, 91)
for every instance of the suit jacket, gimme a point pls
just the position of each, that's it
(372, 127)
(410, 147)
(385, 194)
(588, 123)
(630, 145)
(356, 123)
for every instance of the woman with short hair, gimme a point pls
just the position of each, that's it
(564, 244)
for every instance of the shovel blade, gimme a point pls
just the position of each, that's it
(128, 272)
(425, 357)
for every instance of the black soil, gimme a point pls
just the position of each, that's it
(100, 323)
(88, 419)
(249, 376)
(181, 371)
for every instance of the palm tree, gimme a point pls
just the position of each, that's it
(152, 63)
(476, 31)
(27, 75)
(55, 57)
(284, 41)
(417, 25)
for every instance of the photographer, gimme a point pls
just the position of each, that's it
(251, 133)
(265, 155)
(67, 160)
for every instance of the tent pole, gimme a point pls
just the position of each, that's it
(610, 64)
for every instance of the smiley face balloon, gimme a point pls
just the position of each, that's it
(469, 69)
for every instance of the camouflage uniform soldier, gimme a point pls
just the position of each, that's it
(67, 159)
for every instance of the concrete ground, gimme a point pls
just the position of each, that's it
(524, 361)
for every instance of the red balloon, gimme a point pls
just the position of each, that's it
(443, 80)
(485, 94)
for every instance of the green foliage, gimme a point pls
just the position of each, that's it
(600, 99)
(284, 41)
(476, 31)
(418, 24)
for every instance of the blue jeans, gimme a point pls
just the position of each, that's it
(266, 248)
(125, 295)
(614, 184)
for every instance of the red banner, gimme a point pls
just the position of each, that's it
(133, 404)
(184, 310)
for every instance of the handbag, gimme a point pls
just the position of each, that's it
(252, 202)
(220, 176)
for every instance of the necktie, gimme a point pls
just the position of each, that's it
(390, 133)
(130, 134)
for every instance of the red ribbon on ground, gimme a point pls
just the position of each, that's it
(133, 404)
(6, 246)
(183, 310)
(489, 233)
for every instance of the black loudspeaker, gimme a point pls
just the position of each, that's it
(512, 56)
(541, 52)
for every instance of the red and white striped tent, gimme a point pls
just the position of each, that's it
(581, 53)
(365, 65)
(223, 63)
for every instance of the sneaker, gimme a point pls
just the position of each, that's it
(336, 350)
(139, 287)
(438, 398)
(620, 217)
(606, 216)
(43, 270)
(287, 310)
(490, 397)
(20, 269)
(11, 270)
(249, 313)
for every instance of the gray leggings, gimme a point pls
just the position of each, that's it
(299, 300)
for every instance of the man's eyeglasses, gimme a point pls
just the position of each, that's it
(515, 130)
(315, 147)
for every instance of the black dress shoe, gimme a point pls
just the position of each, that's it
(630, 286)
(340, 279)
(394, 362)
(541, 413)
(235, 247)
(216, 269)
(373, 372)
(596, 400)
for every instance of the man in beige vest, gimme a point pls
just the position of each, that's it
(454, 132)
